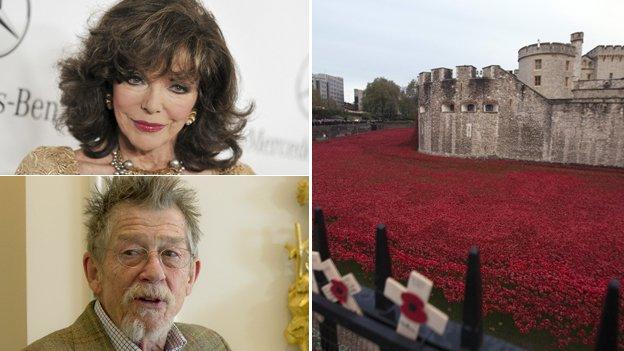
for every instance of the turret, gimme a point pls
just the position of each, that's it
(576, 39)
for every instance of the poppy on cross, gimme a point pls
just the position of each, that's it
(340, 289)
(415, 310)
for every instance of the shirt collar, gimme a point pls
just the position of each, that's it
(175, 339)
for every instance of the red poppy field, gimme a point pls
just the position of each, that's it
(551, 236)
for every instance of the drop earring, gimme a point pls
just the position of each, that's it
(108, 100)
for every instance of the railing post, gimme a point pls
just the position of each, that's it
(472, 327)
(607, 337)
(329, 338)
(383, 268)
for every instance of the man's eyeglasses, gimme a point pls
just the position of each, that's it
(170, 257)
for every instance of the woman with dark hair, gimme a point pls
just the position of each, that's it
(153, 91)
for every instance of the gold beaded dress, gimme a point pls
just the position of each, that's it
(61, 160)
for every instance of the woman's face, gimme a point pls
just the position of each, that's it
(150, 112)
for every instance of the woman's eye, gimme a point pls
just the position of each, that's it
(179, 88)
(135, 80)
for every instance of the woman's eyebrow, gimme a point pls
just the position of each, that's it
(182, 76)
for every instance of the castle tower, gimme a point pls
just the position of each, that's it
(577, 41)
(548, 68)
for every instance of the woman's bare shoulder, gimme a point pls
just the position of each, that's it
(93, 166)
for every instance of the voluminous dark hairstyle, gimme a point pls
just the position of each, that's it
(178, 37)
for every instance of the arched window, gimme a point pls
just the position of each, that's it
(469, 107)
(448, 107)
(490, 107)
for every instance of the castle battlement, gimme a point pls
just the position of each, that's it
(466, 72)
(441, 73)
(546, 48)
(576, 36)
(606, 50)
(463, 72)
(424, 77)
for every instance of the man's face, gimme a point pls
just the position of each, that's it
(143, 300)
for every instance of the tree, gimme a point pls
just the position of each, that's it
(408, 102)
(381, 98)
(316, 98)
(412, 88)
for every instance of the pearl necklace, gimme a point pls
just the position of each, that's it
(127, 167)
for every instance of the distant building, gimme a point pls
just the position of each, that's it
(329, 87)
(358, 97)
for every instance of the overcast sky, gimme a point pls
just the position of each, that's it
(360, 40)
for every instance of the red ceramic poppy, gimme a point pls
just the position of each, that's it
(339, 290)
(548, 235)
(413, 308)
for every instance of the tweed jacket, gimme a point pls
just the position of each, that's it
(87, 334)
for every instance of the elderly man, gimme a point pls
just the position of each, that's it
(141, 263)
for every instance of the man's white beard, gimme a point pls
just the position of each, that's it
(133, 325)
(135, 329)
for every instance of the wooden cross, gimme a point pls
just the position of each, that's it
(340, 289)
(316, 266)
(415, 310)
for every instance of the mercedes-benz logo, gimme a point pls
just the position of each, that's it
(14, 21)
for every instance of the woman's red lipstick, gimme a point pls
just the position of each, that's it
(145, 126)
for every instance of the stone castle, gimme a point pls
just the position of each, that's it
(558, 106)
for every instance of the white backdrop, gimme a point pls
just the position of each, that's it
(268, 39)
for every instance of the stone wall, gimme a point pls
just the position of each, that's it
(609, 59)
(588, 133)
(511, 130)
(519, 122)
(601, 89)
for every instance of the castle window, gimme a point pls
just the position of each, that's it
(468, 107)
(538, 80)
(448, 108)
(538, 64)
(421, 109)
(490, 107)
(588, 76)
(610, 75)
(567, 65)
(567, 81)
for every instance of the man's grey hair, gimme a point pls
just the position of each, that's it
(150, 192)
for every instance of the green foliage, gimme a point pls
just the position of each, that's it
(322, 108)
(412, 89)
(316, 98)
(381, 98)
(408, 102)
